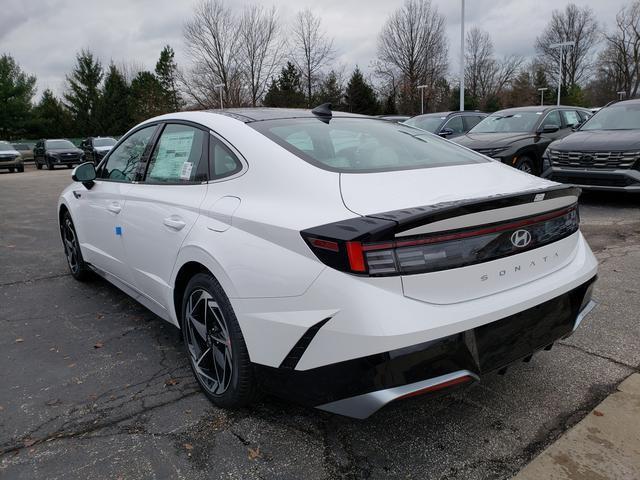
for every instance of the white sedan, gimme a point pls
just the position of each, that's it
(338, 260)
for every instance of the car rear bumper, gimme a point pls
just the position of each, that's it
(359, 387)
(626, 180)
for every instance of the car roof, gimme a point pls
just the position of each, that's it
(538, 108)
(451, 112)
(257, 114)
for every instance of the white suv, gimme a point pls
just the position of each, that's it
(338, 260)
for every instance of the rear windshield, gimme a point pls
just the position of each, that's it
(59, 144)
(363, 145)
(430, 123)
(508, 122)
(623, 116)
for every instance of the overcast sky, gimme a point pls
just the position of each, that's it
(44, 35)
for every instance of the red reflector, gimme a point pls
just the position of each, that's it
(356, 258)
(324, 244)
(439, 386)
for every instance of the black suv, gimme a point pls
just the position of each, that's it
(95, 148)
(56, 152)
(447, 124)
(519, 136)
(603, 154)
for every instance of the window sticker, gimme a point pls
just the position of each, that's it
(173, 153)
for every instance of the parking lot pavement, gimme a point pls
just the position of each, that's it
(95, 386)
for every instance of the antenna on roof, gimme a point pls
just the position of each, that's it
(323, 110)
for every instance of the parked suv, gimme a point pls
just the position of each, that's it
(56, 152)
(603, 154)
(10, 158)
(95, 148)
(447, 124)
(519, 136)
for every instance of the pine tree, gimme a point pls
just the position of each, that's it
(147, 97)
(50, 117)
(360, 95)
(16, 91)
(167, 75)
(286, 92)
(115, 117)
(331, 91)
(83, 94)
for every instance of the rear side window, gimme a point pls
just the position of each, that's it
(223, 161)
(363, 145)
(178, 156)
(472, 120)
(122, 163)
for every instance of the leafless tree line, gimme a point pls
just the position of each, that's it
(243, 51)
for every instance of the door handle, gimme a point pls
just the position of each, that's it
(114, 207)
(174, 223)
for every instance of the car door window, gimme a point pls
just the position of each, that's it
(178, 156)
(471, 121)
(223, 161)
(571, 118)
(455, 124)
(553, 118)
(122, 163)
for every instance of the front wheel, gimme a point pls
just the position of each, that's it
(21, 168)
(69, 165)
(11, 169)
(79, 269)
(215, 346)
(525, 164)
(49, 165)
(38, 165)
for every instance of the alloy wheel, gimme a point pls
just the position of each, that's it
(525, 167)
(208, 341)
(71, 247)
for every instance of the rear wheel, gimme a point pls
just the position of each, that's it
(525, 164)
(79, 269)
(38, 165)
(11, 169)
(215, 346)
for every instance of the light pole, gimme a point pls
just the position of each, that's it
(462, 59)
(542, 90)
(220, 86)
(561, 47)
(421, 88)
(621, 94)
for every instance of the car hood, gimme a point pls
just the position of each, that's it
(103, 149)
(599, 140)
(6, 153)
(370, 193)
(490, 140)
(58, 151)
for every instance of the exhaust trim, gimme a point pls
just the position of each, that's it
(362, 406)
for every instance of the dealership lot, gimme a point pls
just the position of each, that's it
(96, 386)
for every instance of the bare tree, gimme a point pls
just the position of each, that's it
(413, 42)
(620, 60)
(573, 24)
(311, 48)
(479, 61)
(261, 48)
(212, 41)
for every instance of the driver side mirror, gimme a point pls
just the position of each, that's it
(84, 173)
(445, 132)
(549, 128)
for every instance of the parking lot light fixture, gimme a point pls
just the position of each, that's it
(421, 88)
(561, 46)
(542, 90)
(462, 58)
(220, 86)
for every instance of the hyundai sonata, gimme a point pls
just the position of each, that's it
(338, 260)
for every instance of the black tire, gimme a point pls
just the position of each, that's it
(11, 169)
(223, 340)
(21, 168)
(69, 165)
(525, 164)
(77, 266)
(49, 165)
(38, 165)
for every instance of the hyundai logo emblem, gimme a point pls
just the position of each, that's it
(520, 238)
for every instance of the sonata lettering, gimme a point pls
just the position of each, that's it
(518, 268)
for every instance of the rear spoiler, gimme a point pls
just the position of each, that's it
(379, 226)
